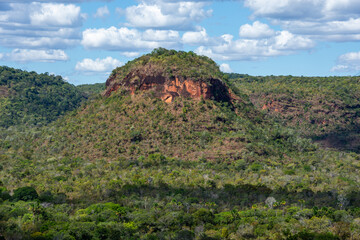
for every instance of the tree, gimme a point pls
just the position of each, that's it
(25, 194)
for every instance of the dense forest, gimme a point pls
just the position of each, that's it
(134, 167)
(28, 98)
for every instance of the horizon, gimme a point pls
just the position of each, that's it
(83, 40)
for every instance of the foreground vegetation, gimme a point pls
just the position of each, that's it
(170, 173)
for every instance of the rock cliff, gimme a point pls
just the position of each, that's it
(178, 74)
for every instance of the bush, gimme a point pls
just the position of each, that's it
(25, 194)
(4, 194)
(203, 216)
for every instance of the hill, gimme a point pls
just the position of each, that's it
(28, 98)
(326, 109)
(131, 165)
(171, 74)
(92, 90)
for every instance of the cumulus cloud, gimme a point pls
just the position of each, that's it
(49, 14)
(195, 38)
(286, 9)
(160, 35)
(130, 54)
(59, 1)
(349, 62)
(346, 30)
(125, 39)
(40, 25)
(166, 15)
(98, 65)
(330, 20)
(30, 55)
(282, 43)
(226, 68)
(256, 30)
(102, 12)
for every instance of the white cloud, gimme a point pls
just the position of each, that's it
(50, 14)
(346, 30)
(160, 35)
(98, 65)
(102, 12)
(225, 68)
(329, 20)
(349, 62)
(285, 40)
(128, 40)
(256, 30)
(174, 15)
(29, 55)
(195, 38)
(40, 25)
(286, 9)
(283, 43)
(130, 54)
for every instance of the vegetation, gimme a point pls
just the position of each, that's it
(134, 167)
(34, 99)
(171, 63)
(327, 109)
(92, 90)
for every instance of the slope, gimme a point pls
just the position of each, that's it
(326, 109)
(30, 98)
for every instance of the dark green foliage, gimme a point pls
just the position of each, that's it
(25, 194)
(34, 99)
(4, 194)
(305, 235)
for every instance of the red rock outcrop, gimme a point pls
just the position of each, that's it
(169, 88)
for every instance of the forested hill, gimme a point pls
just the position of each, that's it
(326, 109)
(31, 98)
(92, 90)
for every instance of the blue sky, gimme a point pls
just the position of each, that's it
(83, 40)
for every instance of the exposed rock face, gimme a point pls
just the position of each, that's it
(168, 88)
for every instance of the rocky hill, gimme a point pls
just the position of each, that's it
(170, 74)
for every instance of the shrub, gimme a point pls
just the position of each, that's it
(25, 194)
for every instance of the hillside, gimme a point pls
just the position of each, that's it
(92, 90)
(131, 165)
(28, 98)
(326, 109)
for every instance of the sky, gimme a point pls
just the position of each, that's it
(84, 40)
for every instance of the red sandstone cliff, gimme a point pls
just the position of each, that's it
(168, 88)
